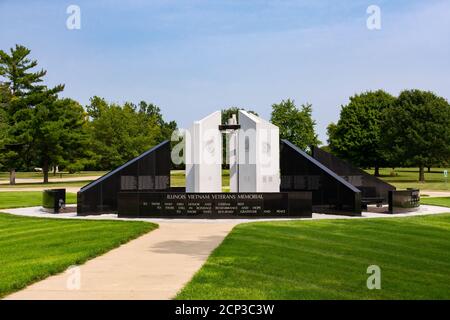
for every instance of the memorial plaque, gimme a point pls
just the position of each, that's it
(214, 205)
(401, 201)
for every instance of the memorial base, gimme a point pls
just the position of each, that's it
(215, 205)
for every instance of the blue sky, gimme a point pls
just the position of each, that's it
(194, 57)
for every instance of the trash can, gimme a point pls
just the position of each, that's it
(53, 200)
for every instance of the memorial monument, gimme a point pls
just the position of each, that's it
(203, 155)
(269, 178)
(253, 151)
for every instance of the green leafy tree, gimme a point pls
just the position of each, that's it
(118, 133)
(58, 133)
(152, 111)
(357, 135)
(295, 125)
(25, 93)
(416, 130)
(227, 113)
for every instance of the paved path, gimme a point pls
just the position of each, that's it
(50, 179)
(41, 188)
(374, 213)
(154, 266)
(431, 193)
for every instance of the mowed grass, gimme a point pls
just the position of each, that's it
(31, 249)
(409, 178)
(438, 201)
(403, 178)
(21, 199)
(178, 179)
(328, 259)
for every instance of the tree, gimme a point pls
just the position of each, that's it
(416, 129)
(295, 125)
(357, 135)
(227, 113)
(4, 100)
(25, 92)
(154, 112)
(57, 129)
(118, 133)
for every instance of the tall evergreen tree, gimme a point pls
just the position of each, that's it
(28, 99)
(4, 100)
(26, 91)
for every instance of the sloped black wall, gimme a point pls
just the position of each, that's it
(148, 172)
(331, 193)
(369, 185)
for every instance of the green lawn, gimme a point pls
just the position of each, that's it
(328, 259)
(401, 178)
(177, 179)
(409, 178)
(31, 249)
(15, 199)
(443, 202)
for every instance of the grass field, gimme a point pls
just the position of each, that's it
(177, 179)
(401, 178)
(27, 199)
(443, 202)
(328, 259)
(33, 248)
(409, 178)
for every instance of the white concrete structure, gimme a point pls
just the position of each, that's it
(253, 152)
(259, 154)
(204, 155)
(233, 155)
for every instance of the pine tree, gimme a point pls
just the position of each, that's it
(25, 92)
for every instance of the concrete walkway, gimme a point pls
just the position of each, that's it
(51, 179)
(154, 266)
(373, 212)
(41, 188)
(432, 193)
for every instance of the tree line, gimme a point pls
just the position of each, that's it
(376, 129)
(40, 129)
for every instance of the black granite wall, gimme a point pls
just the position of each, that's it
(369, 185)
(330, 192)
(148, 172)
